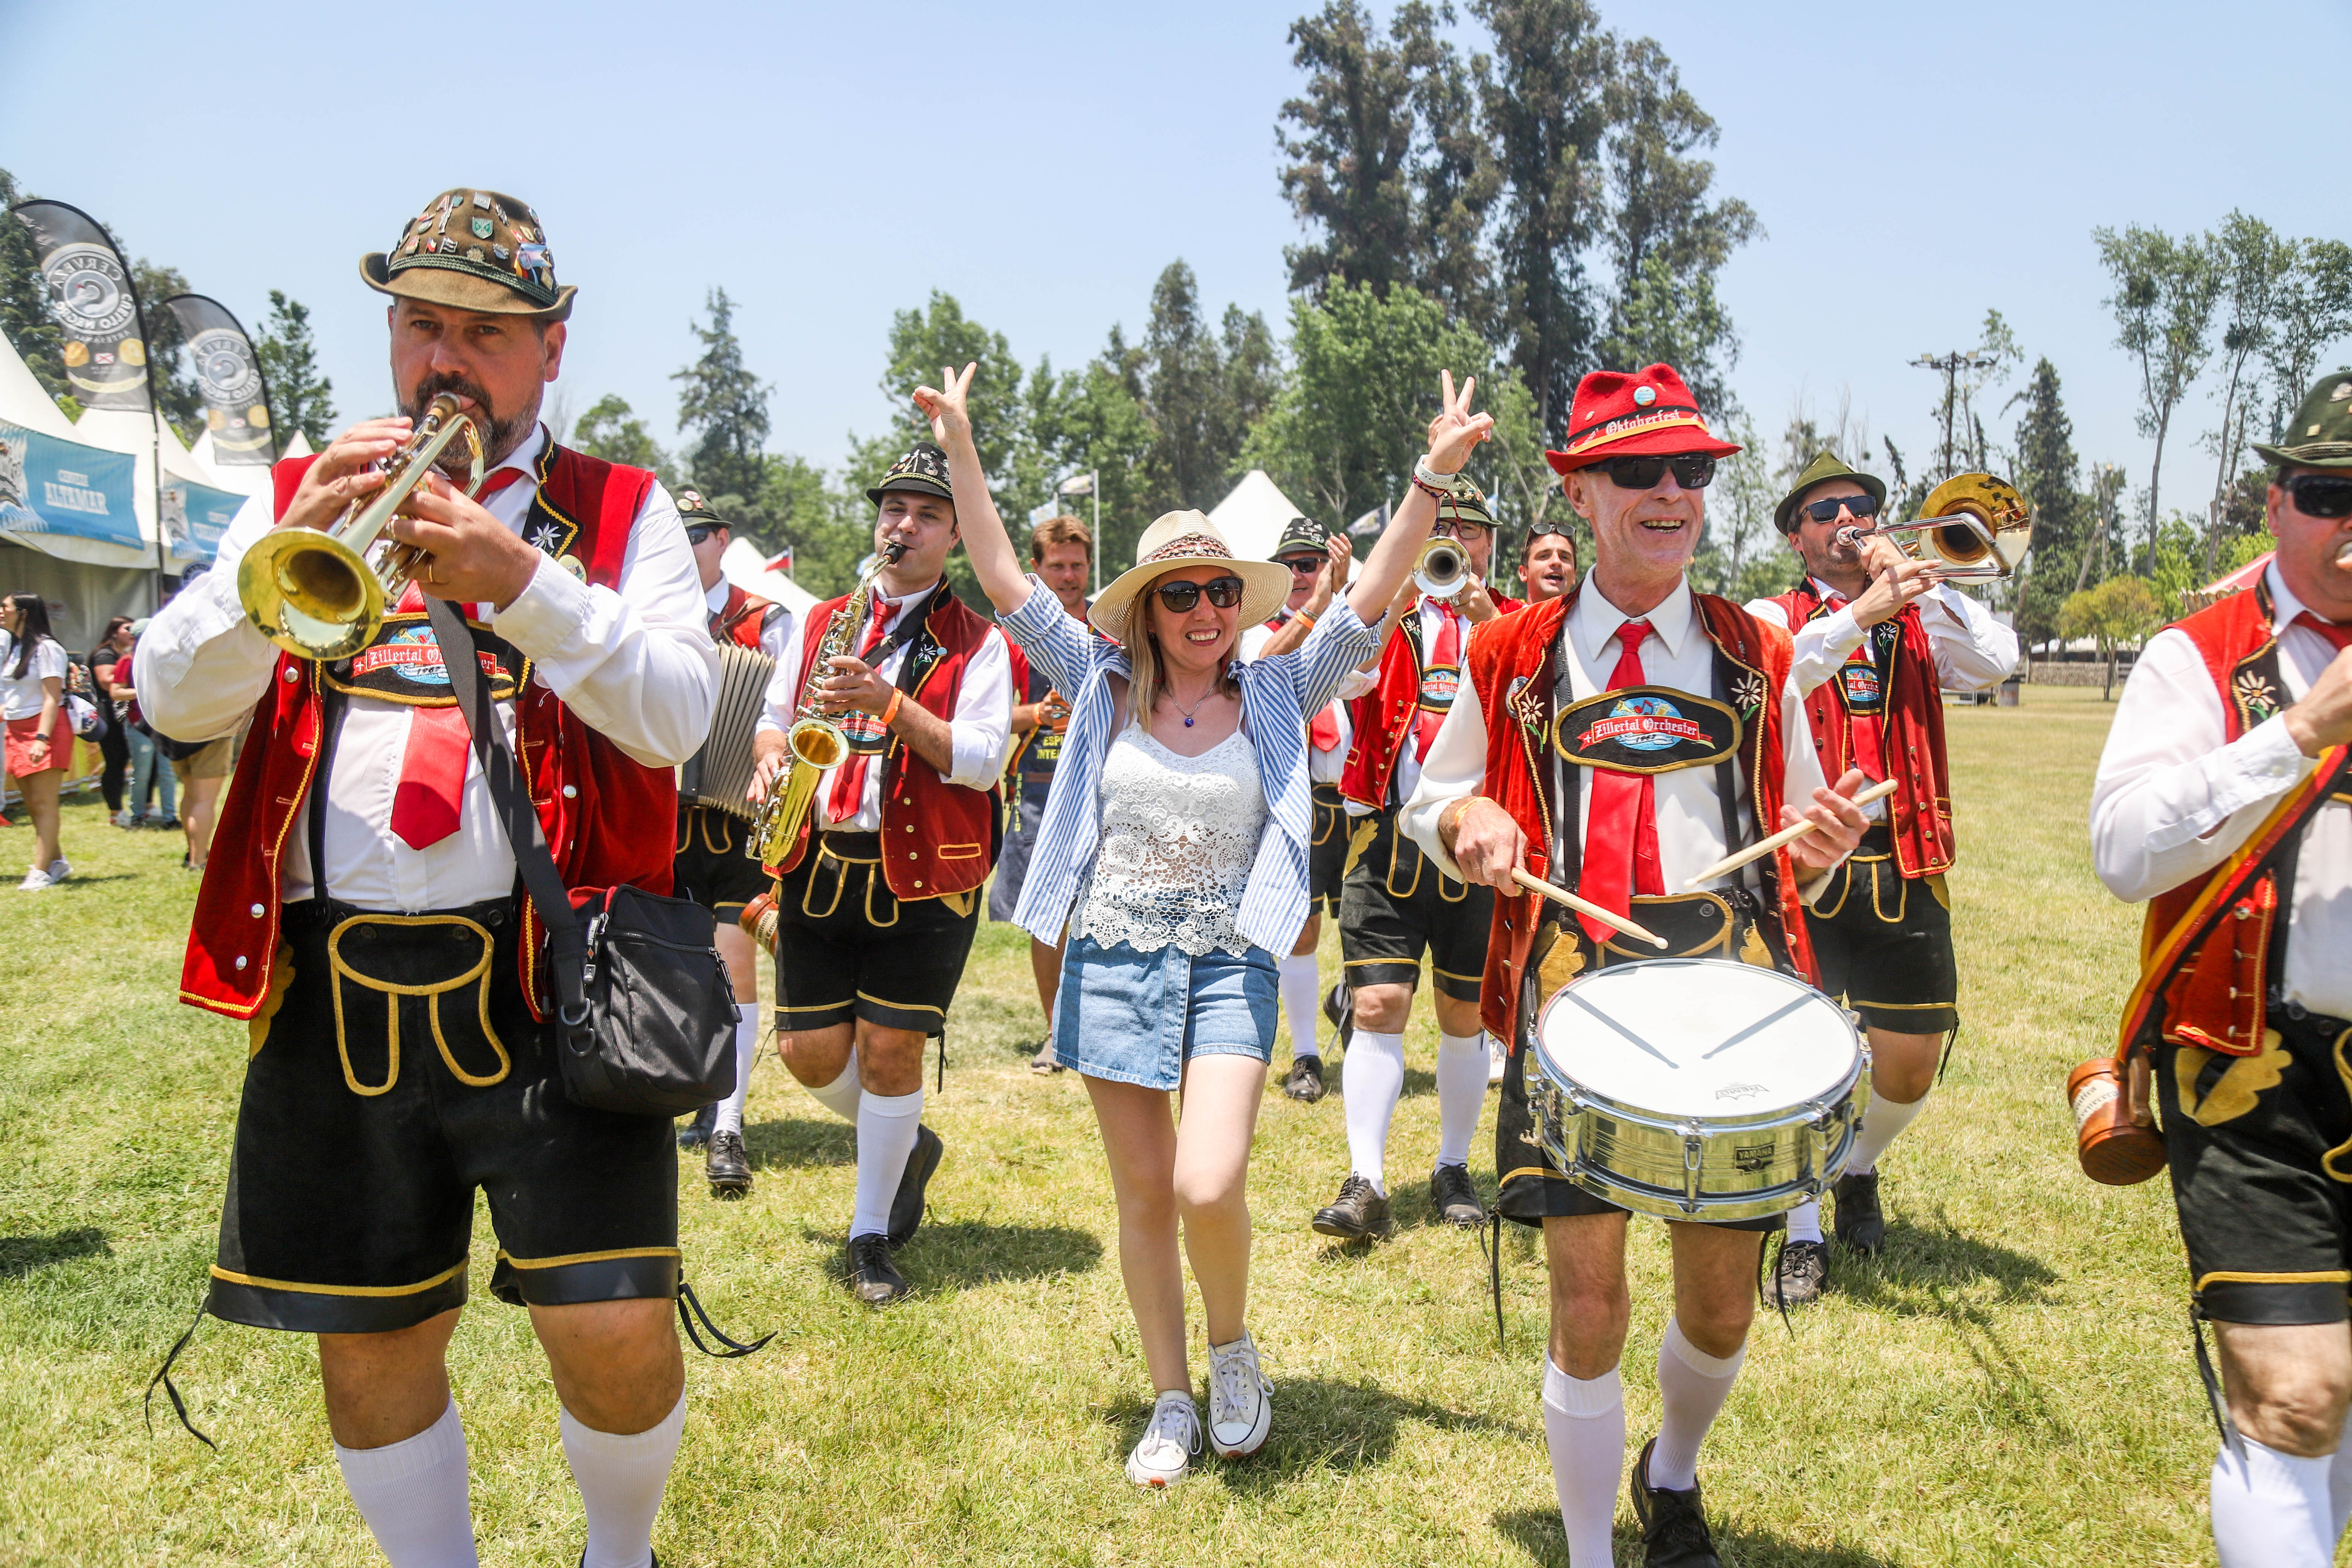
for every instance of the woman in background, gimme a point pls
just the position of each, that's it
(113, 745)
(40, 736)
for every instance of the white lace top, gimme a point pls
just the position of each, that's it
(1179, 837)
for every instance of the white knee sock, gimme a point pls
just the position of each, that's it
(2273, 1511)
(1692, 1385)
(885, 1136)
(747, 1047)
(1880, 1125)
(621, 1480)
(2339, 1484)
(1461, 1089)
(1584, 1428)
(841, 1096)
(1370, 1080)
(1805, 1221)
(412, 1495)
(1300, 1004)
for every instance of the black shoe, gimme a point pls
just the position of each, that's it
(1305, 1083)
(1860, 1226)
(1339, 1006)
(1673, 1524)
(873, 1278)
(1358, 1212)
(1796, 1282)
(1455, 1196)
(728, 1171)
(695, 1135)
(907, 1207)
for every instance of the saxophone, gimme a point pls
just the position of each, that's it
(814, 741)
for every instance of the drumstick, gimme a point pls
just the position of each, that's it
(1730, 863)
(1560, 895)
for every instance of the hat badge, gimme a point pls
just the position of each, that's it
(1646, 395)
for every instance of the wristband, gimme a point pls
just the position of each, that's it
(1425, 476)
(891, 713)
(1304, 619)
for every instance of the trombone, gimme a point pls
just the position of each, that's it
(1977, 529)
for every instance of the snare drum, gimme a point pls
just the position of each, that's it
(1698, 1088)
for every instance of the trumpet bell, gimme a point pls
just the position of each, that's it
(1442, 570)
(311, 594)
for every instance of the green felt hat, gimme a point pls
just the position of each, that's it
(1300, 536)
(1827, 466)
(2320, 434)
(1464, 502)
(474, 250)
(692, 509)
(924, 470)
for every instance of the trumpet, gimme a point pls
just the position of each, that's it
(321, 594)
(1442, 568)
(814, 741)
(1978, 529)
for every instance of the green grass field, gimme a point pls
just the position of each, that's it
(2009, 1384)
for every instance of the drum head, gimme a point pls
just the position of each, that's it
(1696, 1037)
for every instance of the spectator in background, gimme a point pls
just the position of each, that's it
(148, 767)
(112, 648)
(40, 735)
(203, 774)
(1547, 566)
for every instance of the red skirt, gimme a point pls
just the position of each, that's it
(21, 733)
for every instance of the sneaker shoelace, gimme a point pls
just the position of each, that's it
(1175, 1421)
(1233, 1370)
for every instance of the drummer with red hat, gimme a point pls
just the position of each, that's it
(1719, 754)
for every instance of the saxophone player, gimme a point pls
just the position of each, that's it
(879, 891)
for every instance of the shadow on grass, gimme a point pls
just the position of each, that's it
(1923, 1264)
(1537, 1532)
(1325, 1425)
(92, 878)
(23, 1255)
(959, 1255)
(798, 1141)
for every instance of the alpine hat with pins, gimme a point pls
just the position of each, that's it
(692, 510)
(1181, 539)
(1826, 465)
(924, 470)
(473, 250)
(1465, 502)
(1301, 536)
(1634, 414)
(2320, 434)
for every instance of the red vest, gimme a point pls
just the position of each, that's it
(1910, 733)
(608, 818)
(937, 837)
(1383, 717)
(2205, 945)
(1518, 650)
(742, 619)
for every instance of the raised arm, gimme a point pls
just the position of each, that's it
(993, 559)
(1452, 435)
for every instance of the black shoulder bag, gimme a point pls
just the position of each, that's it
(645, 1016)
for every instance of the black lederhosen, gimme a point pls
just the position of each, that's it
(1395, 902)
(399, 1069)
(2260, 1160)
(1884, 942)
(847, 948)
(711, 868)
(1327, 852)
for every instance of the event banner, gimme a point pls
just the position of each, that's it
(90, 298)
(236, 404)
(48, 486)
(194, 518)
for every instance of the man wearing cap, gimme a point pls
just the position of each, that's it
(1317, 560)
(879, 894)
(359, 911)
(1395, 905)
(1726, 757)
(1548, 565)
(712, 866)
(1877, 638)
(2223, 799)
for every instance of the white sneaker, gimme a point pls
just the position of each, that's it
(60, 870)
(1168, 1443)
(1241, 1401)
(1495, 1058)
(34, 881)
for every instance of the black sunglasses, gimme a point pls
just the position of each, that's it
(1537, 530)
(1181, 595)
(1693, 472)
(1301, 565)
(2321, 495)
(1827, 511)
(697, 532)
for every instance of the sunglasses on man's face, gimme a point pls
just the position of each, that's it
(1300, 565)
(1693, 472)
(2321, 495)
(699, 533)
(1827, 511)
(1181, 595)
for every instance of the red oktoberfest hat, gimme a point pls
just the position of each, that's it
(1637, 413)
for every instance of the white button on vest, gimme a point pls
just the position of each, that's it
(292, 675)
(257, 911)
(240, 963)
(570, 791)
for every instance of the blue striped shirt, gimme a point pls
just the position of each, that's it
(1278, 696)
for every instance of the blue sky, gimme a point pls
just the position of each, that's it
(827, 165)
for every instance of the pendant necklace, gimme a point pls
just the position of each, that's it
(1195, 708)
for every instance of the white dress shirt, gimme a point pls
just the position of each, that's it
(2173, 800)
(636, 663)
(976, 729)
(1676, 654)
(1409, 761)
(1322, 768)
(773, 633)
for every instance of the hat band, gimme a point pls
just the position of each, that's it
(1633, 424)
(1190, 544)
(529, 287)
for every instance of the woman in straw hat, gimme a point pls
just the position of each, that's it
(1174, 845)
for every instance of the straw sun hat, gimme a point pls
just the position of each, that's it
(1181, 539)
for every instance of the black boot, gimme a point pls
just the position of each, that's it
(1455, 1196)
(1860, 1225)
(873, 1278)
(1797, 1278)
(1305, 1082)
(728, 1171)
(1673, 1524)
(906, 1206)
(1360, 1210)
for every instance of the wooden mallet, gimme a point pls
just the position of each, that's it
(1731, 863)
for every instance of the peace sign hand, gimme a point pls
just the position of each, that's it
(1456, 430)
(947, 410)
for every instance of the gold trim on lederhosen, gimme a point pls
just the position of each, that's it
(476, 974)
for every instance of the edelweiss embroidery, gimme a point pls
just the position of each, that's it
(2256, 696)
(1747, 692)
(545, 538)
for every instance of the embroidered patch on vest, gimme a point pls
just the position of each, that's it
(1646, 729)
(1858, 683)
(404, 665)
(1439, 682)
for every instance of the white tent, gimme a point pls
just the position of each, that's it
(748, 569)
(1253, 516)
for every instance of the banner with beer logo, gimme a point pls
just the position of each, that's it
(195, 517)
(49, 486)
(237, 402)
(93, 304)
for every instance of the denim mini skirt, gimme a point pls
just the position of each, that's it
(1138, 1017)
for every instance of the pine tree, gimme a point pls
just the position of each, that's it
(24, 299)
(300, 397)
(2050, 478)
(1202, 390)
(725, 407)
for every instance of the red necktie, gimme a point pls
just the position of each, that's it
(2337, 633)
(849, 778)
(1446, 653)
(425, 803)
(1869, 738)
(1323, 730)
(1621, 831)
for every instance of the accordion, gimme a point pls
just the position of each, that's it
(720, 776)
